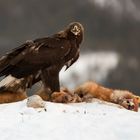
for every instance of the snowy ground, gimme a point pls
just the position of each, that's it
(81, 121)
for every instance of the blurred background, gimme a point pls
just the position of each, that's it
(110, 52)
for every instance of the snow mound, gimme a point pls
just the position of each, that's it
(79, 121)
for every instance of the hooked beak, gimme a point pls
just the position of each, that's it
(75, 30)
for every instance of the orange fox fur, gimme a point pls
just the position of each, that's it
(93, 90)
(90, 90)
(121, 97)
(8, 97)
(42, 94)
(64, 96)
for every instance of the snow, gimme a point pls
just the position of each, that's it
(79, 121)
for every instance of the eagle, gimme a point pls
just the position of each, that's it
(42, 59)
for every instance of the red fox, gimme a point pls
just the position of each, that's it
(90, 90)
(121, 97)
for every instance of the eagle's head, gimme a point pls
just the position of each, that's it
(76, 30)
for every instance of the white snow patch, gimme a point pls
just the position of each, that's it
(81, 121)
(91, 66)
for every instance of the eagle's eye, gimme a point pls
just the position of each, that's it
(75, 30)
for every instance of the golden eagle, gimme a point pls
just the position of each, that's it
(43, 58)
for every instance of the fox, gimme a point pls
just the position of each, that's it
(124, 98)
(89, 90)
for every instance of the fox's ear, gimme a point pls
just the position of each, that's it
(136, 104)
(138, 98)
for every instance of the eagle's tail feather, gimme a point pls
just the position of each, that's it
(7, 59)
(12, 84)
(5, 71)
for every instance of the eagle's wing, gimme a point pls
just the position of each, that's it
(17, 55)
(73, 60)
(32, 56)
(67, 55)
(13, 57)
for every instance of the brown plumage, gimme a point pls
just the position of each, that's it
(42, 59)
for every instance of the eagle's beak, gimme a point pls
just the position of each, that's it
(75, 30)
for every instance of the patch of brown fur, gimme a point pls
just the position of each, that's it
(42, 94)
(8, 97)
(65, 96)
(61, 97)
(93, 90)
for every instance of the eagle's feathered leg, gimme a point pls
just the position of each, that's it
(50, 79)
